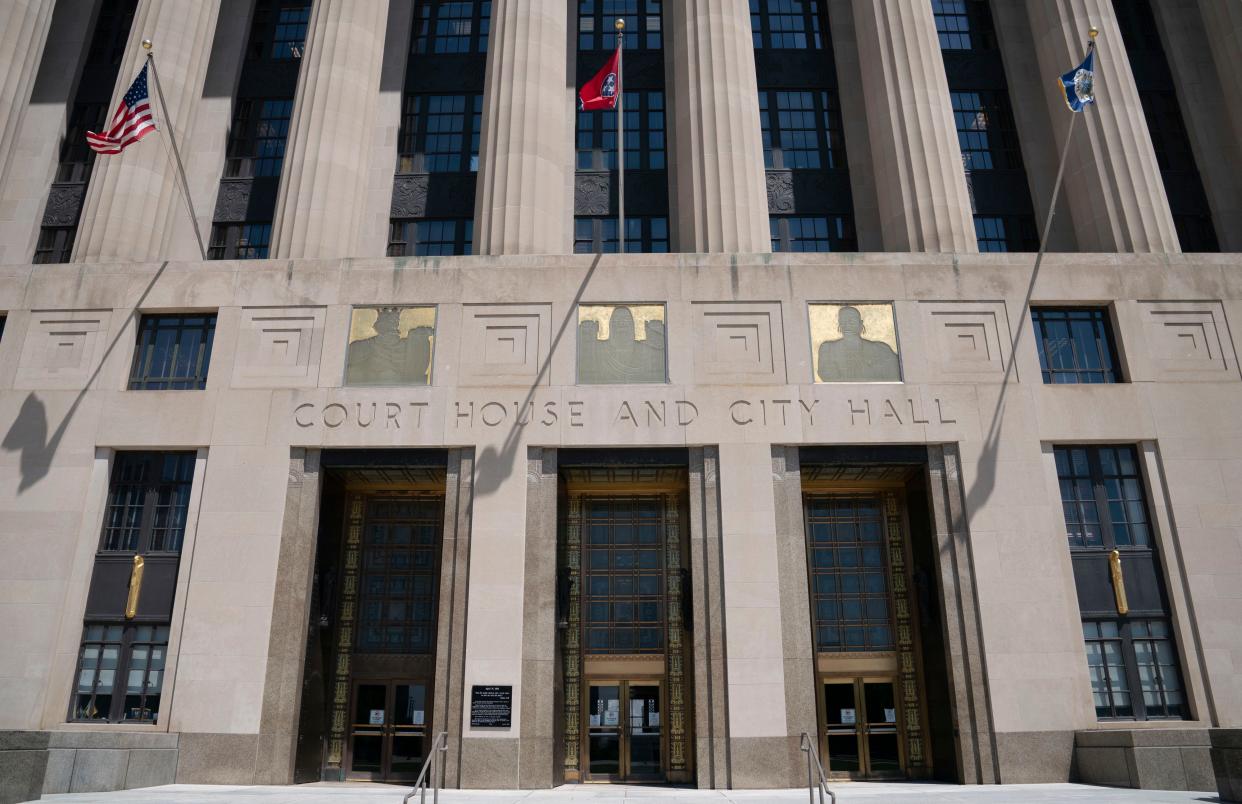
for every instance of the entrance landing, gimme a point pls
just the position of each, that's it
(868, 792)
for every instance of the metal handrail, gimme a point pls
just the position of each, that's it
(815, 777)
(429, 775)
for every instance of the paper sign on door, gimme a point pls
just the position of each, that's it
(377, 717)
(847, 716)
(890, 715)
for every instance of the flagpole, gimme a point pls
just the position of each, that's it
(620, 26)
(172, 137)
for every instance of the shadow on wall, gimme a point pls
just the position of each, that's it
(494, 465)
(28, 434)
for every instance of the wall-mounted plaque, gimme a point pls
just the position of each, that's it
(491, 707)
(620, 343)
(390, 346)
(854, 343)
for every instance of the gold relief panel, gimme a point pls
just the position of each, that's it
(621, 343)
(854, 343)
(390, 346)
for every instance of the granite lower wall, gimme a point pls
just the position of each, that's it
(91, 762)
(1227, 763)
(1146, 759)
(23, 763)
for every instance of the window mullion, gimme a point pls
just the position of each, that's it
(1101, 499)
(1137, 703)
(120, 680)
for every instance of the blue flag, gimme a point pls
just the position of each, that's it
(1079, 83)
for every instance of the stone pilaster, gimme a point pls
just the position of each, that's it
(1112, 180)
(719, 199)
(134, 195)
(323, 186)
(920, 183)
(23, 30)
(1221, 23)
(521, 205)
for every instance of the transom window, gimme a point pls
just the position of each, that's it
(440, 134)
(623, 575)
(597, 18)
(148, 502)
(643, 235)
(120, 674)
(801, 130)
(459, 26)
(849, 587)
(240, 241)
(813, 233)
(786, 24)
(644, 134)
(399, 576)
(1124, 656)
(257, 138)
(430, 238)
(1075, 345)
(174, 352)
(1103, 497)
(55, 244)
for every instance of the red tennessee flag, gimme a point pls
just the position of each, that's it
(602, 91)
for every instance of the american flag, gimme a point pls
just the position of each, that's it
(131, 121)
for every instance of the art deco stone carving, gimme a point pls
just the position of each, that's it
(505, 344)
(390, 346)
(62, 348)
(738, 343)
(621, 344)
(409, 195)
(780, 191)
(1184, 341)
(593, 194)
(854, 343)
(967, 341)
(232, 200)
(279, 347)
(64, 203)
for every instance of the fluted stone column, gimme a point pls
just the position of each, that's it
(521, 205)
(920, 183)
(1222, 23)
(23, 30)
(133, 196)
(321, 204)
(1112, 180)
(719, 188)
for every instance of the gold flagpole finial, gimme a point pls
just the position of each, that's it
(1093, 32)
(146, 44)
(619, 24)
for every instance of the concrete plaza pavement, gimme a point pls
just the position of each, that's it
(846, 792)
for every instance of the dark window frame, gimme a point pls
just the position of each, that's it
(278, 30)
(828, 129)
(149, 324)
(644, 24)
(1111, 489)
(139, 481)
(249, 240)
(256, 147)
(1106, 352)
(426, 514)
(801, 24)
(646, 141)
(433, 32)
(126, 645)
(647, 510)
(1126, 640)
(418, 118)
(652, 234)
(403, 239)
(840, 230)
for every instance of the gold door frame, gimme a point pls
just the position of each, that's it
(905, 664)
(860, 701)
(677, 757)
(623, 684)
(387, 731)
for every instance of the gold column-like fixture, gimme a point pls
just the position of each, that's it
(135, 587)
(1119, 582)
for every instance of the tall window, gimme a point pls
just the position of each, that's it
(257, 138)
(849, 588)
(452, 26)
(999, 233)
(597, 19)
(174, 352)
(1131, 656)
(1075, 345)
(595, 235)
(121, 660)
(1160, 98)
(644, 134)
(786, 24)
(240, 241)
(440, 133)
(813, 233)
(399, 581)
(278, 29)
(430, 238)
(801, 130)
(623, 575)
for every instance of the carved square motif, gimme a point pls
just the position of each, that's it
(505, 344)
(967, 341)
(738, 342)
(62, 348)
(1184, 340)
(279, 347)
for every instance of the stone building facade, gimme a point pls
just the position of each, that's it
(415, 458)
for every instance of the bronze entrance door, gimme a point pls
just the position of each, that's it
(624, 731)
(860, 736)
(387, 731)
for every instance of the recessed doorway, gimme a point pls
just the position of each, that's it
(387, 731)
(624, 732)
(862, 735)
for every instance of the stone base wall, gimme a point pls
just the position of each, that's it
(1146, 759)
(23, 764)
(1227, 763)
(35, 763)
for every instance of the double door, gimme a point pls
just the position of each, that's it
(388, 730)
(624, 734)
(861, 729)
